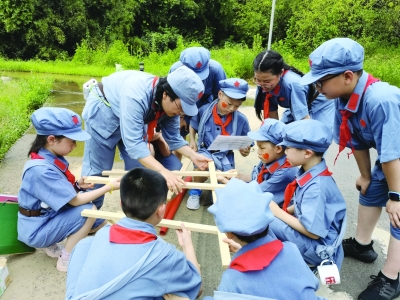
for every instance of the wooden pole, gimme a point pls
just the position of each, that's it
(99, 214)
(188, 185)
(223, 247)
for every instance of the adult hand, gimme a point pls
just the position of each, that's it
(174, 183)
(245, 151)
(393, 209)
(233, 246)
(184, 236)
(200, 160)
(193, 145)
(362, 184)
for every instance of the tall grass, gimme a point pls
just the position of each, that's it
(236, 60)
(18, 99)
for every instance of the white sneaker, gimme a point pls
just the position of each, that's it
(193, 202)
(54, 250)
(62, 265)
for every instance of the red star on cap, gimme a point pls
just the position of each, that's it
(310, 62)
(236, 84)
(75, 120)
(199, 65)
(200, 95)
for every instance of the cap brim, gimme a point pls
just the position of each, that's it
(311, 78)
(254, 135)
(203, 74)
(189, 110)
(80, 136)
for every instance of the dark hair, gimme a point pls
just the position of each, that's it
(359, 72)
(163, 86)
(252, 238)
(319, 154)
(142, 191)
(272, 62)
(241, 99)
(41, 141)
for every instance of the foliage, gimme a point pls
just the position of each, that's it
(371, 22)
(18, 99)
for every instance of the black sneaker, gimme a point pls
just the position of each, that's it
(380, 289)
(364, 253)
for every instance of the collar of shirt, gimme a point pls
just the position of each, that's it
(50, 157)
(304, 178)
(275, 165)
(356, 97)
(253, 245)
(137, 225)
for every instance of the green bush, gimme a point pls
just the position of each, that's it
(18, 99)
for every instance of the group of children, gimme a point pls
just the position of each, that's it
(288, 212)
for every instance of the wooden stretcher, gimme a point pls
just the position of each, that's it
(211, 173)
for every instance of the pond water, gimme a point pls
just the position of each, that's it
(67, 92)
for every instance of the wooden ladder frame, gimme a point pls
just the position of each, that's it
(196, 227)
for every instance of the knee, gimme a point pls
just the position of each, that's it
(94, 207)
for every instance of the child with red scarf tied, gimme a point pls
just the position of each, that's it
(260, 265)
(139, 264)
(50, 202)
(273, 172)
(367, 116)
(219, 118)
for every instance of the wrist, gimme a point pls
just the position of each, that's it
(394, 196)
(109, 184)
(78, 188)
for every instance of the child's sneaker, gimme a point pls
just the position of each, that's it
(193, 201)
(381, 289)
(364, 253)
(62, 265)
(54, 250)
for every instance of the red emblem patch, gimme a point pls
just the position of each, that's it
(310, 62)
(75, 120)
(281, 99)
(199, 65)
(362, 123)
(200, 95)
(236, 84)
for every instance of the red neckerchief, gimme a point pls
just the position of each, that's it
(122, 235)
(291, 187)
(270, 95)
(275, 166)
(218, 121)
(60, 165)
(344, 133)
(153, 124)
(257, 258)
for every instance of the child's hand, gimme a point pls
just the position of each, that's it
(224, 179)
(245, 151)
(184, 236)
(115, 182)
(83, 185)
(233, 246)
(362, 184)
